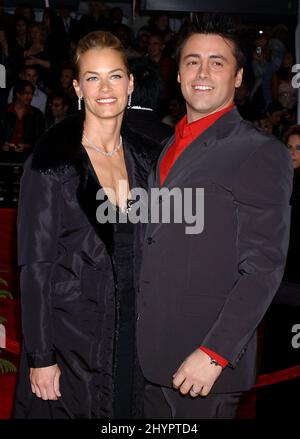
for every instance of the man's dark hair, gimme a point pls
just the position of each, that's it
(214, 24)
(20, 86)
(25, 67)
(148, 82)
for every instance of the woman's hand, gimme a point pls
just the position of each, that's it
(45, 382)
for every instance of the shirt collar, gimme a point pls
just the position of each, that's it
(184, 129)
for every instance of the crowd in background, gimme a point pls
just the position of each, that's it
(38, 58)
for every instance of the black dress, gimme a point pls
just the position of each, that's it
(125, 358)
(125, 331)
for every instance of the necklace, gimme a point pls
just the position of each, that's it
(101, 150)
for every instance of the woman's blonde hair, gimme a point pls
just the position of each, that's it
(99, 40)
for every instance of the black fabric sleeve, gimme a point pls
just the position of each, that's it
(39, 220)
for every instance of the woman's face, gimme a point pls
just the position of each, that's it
(103, 83)
(293, 145)
(36, 35)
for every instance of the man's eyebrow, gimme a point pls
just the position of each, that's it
(192, 55)
(215, 56)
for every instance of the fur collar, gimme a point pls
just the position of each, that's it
(60, 146)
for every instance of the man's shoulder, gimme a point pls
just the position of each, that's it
(254, 137)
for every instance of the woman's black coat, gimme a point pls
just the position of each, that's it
(67, 284)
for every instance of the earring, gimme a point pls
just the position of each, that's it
(129, 101)
(79, 102)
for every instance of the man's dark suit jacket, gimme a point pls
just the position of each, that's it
(213, 288)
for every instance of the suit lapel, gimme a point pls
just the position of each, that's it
(200, 147)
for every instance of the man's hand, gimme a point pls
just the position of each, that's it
(45, 382)
(196, 375)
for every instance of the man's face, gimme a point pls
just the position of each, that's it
(66, 78)
(31, 75)
(58, 108)
(155, 46)
(207, 75)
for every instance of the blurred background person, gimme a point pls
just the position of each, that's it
(39, 98)
(271, 121)
(176, 111)
(95, 19)
(282, 89)
(17, 43)
(26, 10)
(142, 114)
(243, 102)
(70, 24)
(58, 109)
(167, 67)
(21, 124)
(36, 53)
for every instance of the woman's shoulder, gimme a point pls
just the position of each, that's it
(59, 147)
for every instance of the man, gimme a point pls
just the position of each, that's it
(39, 99)
(59, 107)
(70, 24)
(94, 20)
(21, 124)
(141, 115)
(201, 296)
(167, 67)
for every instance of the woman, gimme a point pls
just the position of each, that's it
(36, 53)
(77, 279)
(282, 88)
(292, 273)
